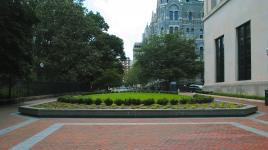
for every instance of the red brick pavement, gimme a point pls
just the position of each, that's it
(222, 137)
(157, 137)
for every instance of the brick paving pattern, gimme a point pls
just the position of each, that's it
(157, 136)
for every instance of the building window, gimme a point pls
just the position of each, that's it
(171, 15)
(201, 36)
(190, 16)
(187, 30)
(220, 59)
(201, 53)
(171, 30)
(176, 15)
(244, 51)
(192, 30)
(176, 29)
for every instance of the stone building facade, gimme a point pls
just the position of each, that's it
(174, 15)
(236, 43)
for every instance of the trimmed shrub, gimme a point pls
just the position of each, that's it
(174, 102)
(63, 98)
(127, 102)
(200, 99)
(148, 102)
(88, 101)
(184, 101)
(108, 102)
(119, 102)
(162, 101)
(135, 101)
(98, 101)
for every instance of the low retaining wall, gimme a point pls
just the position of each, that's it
(137, 113)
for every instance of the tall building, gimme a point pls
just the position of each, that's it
(126, 64)
(136, 51)
(236, 43)
(174, 15)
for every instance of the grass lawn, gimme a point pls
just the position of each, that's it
(133, 95)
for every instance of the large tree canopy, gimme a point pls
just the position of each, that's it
(73, 43)
(58, 40)
(169, 57)
(16, 21)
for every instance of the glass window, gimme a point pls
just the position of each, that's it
(171, 30)
(176, 15)
(244, 52)
(190, 16)
(171, 15)
(176, 29)
(201, 53)
(219, 59)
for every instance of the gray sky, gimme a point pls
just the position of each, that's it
(127, 18)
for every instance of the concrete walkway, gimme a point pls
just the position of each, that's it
(21, 132)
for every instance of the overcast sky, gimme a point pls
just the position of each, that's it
(127, 18)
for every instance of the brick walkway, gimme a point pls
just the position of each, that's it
(236, 133)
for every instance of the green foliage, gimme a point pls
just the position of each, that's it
(61, 105)
(136, 99)
(148, 102)
(98, 101)
(174, 102)
(73, 44)
(108, 102)
(16, 24)
(162, 101)
(119, 102)
(202, 99)
(168, 57)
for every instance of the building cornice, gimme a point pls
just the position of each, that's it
(215, 9)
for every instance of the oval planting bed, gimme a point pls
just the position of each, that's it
(132, 104)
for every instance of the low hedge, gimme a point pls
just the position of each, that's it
(196, 99)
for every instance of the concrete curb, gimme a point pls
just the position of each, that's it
(136, 113)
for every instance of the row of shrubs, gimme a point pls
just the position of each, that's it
(197, 99)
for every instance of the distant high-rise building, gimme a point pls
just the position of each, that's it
(136, 51)
(126, 64)
(174, 15)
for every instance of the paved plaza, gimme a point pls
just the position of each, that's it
(237, 133)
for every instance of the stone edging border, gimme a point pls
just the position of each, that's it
(136, 113)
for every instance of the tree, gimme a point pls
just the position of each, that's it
(169, 57)
(73, 44)
(16, 22)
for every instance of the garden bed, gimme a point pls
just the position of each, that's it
(136, 105)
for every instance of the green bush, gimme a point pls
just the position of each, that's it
(119, 102)
(174, 102)
(135, 101)
(87, 101)
(148, 102)
(108, 101)
(184, 101)
(98, 101)
(162, 101)
(201, 99)
(127, 102)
